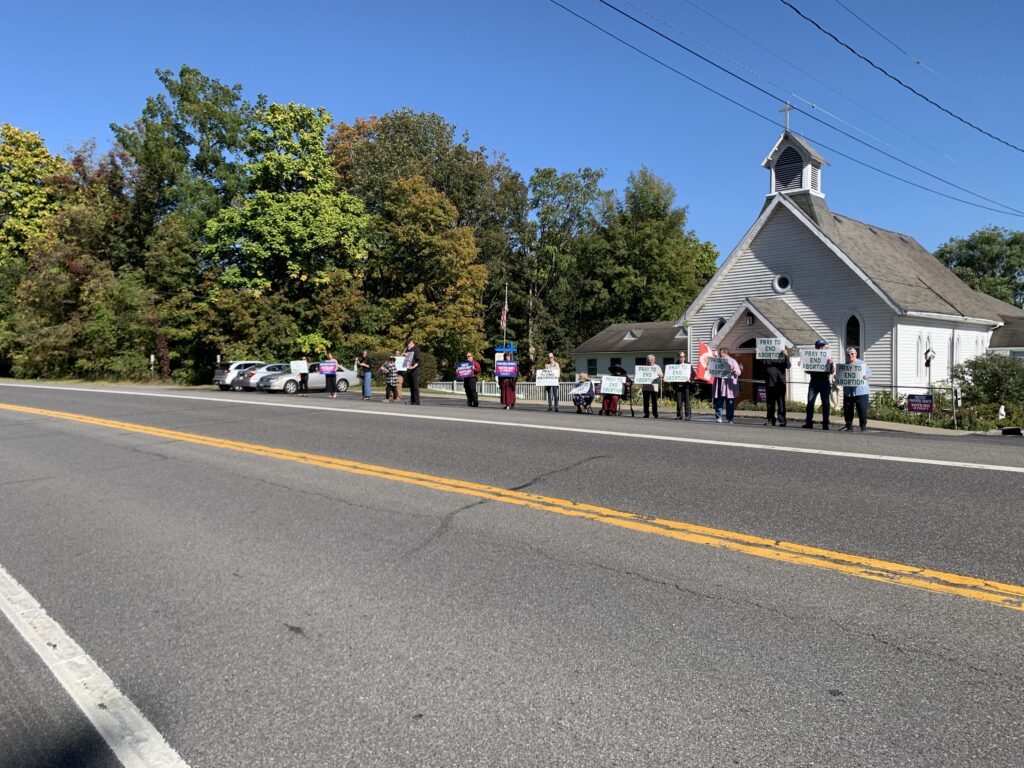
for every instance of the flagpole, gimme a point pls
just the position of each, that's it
(504, 329)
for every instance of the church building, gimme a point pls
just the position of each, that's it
(803, 272)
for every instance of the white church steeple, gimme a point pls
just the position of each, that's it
(794, 166)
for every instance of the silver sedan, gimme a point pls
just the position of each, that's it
(289, 382)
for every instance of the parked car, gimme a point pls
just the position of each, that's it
(250, 377)
(225, 374)
(289, 382)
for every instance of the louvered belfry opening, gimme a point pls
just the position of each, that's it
(788, 170)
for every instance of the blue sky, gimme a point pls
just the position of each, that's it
(526, 78)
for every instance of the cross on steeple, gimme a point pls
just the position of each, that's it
(787, 109)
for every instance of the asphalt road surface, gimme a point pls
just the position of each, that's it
(276, 581)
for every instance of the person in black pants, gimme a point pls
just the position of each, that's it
(412, 371)
(652, 391)
(682, 391)
(304, 380)
(821, 384)
(469, 383)
(775, 387)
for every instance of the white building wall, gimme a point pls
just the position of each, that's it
(824, 293)
(604, 359)
(952, 343)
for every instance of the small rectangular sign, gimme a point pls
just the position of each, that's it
(849, 374)
(506, 369)
(329, 366)
(645, 374)
(678, 372)
(612, 385)
(463, 370)
(719, 367)
(400, 363)
(919, 403)
(299, 366)
(769, 349)
(815, 360)
(761, 394)
(546, 378)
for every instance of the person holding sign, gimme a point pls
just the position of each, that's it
(329, 368)
(399, 359)
(855, 375)
(412, 371)
(726, 385)
(508, 373)
(682, 377)
(820, 384)
(612, 388)
(468, 371)
(652, 389)
(555, 370)
(775, 386)
(583, 393)
(301, 367)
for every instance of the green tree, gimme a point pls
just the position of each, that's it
(32, 182)
(292, 228)
(990, 260)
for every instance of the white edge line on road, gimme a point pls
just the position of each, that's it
(549, 427)
(131, 737)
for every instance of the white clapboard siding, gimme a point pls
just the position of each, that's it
(824, 292)
(952, 343)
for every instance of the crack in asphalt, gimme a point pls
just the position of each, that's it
(556, 471)
(443, 527)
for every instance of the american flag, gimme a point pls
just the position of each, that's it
(503, 323)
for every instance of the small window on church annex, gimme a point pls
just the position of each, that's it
(781, 283)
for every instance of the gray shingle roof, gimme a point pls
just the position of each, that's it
(649, 337)
(1010, 335)
(785, 321)
(910, 276)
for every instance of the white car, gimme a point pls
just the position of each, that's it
(225, 374)
(249, 378)
(289, 382)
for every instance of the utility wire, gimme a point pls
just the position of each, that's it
(895, 79)
(818, 80)
(770, 120)
(891, 42)
(803, 111)
(772, 83)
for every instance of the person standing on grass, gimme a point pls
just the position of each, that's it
(469, 383)
(390, 373)
(775, 387)
(507, 386)
(820, 384)
(552, 391)
(329, 368)
(682, 390)
(303, 390)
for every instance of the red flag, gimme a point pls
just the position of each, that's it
(702, 363)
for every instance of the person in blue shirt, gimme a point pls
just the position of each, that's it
(856, 397)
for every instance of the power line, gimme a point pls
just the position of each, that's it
(769, 81)
(818, 80)
(770, 120)
(804, 112)
(895, 79)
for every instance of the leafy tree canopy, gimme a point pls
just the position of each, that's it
(990, 260)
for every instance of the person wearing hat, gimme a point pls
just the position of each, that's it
(821, 384)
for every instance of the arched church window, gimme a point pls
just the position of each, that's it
(853, 335)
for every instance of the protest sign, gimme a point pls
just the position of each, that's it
(680, 372)
(463, 370)
(761, 394)
(612, 385)
(400, 363)
(546, 378)
(329, 366)
(919, 404)
(299, 366)
(645, 374)
(815, 360)
(849, 374)
(720, 367)
(506, 369)
(769, 349)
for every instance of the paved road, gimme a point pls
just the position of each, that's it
(280, 610)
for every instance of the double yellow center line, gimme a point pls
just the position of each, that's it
(1006, 595)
